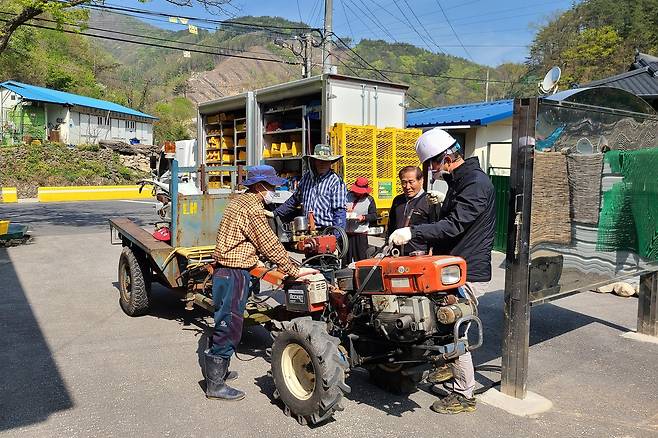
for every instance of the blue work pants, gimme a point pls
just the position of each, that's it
(230, 291)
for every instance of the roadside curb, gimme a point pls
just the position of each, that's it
(8, 195)
(91, 193)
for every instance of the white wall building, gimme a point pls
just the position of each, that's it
(484, 129)
(45, 114)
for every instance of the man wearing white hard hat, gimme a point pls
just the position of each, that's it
(465, 228)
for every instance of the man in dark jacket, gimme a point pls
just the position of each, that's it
(410, 208)
(465, 228)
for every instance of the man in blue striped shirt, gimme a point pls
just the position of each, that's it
(320, 190)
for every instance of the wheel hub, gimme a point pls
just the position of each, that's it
(126, 283)
(298, 371)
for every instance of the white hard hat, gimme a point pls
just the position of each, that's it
(432, 143)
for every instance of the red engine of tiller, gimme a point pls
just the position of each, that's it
(411, 275)
(324, 244)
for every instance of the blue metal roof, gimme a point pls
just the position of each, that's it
(481, 113)
(41, 94)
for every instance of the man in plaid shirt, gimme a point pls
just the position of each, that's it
(244, 234)
(320, 190)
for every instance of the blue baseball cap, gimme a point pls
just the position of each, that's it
(263, 173)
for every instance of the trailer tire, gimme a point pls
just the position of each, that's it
(133, 289)
(392, 380)
(308, 370)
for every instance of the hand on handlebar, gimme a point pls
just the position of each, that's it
(303, 272)
(400, 236)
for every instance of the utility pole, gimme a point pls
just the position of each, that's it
(302, 46)
(327, 58)
(486, 88)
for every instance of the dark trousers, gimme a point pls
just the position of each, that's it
(230, 291)
(358, 248)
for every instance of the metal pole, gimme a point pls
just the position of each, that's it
(516, 334)
(647, 306)
(327, 58)
(306, 41)
(486, 88)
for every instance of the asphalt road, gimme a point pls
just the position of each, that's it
(72, 364)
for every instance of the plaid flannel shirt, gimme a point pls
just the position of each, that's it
(244, 233)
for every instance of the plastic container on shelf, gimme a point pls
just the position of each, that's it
(295, 148)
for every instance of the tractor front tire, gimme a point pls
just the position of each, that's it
(133, 289)
(309, 371)
(391, 379)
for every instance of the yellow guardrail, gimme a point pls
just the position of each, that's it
(8, 194)
(91, 193)
(377, 154)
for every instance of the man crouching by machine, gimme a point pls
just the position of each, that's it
(243, 235)
(465, 228)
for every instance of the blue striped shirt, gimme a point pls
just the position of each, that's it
(325, 195)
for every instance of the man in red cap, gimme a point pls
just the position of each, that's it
(361, 213)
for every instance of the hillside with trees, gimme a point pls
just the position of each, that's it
(595, 39)
(163, 82)
(591, 40)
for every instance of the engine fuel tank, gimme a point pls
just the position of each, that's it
(411, 275)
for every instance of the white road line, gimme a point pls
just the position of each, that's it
(137, 202)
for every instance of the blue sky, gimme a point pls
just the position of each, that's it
(492, 32)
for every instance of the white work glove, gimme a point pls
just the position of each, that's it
(435, 197)
(303, 272)
(400, 236)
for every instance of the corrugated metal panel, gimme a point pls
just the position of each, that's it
(481, 113)
(641, 82)
(501, 186)
(41, 94)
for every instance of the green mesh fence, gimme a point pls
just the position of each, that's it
(629, 216)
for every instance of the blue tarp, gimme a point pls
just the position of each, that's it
(482, 113)
(41, 94)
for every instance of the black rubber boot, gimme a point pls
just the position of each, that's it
(230, 375)
(216, 371)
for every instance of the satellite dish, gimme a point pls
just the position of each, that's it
(549, 84)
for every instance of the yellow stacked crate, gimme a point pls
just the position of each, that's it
(405, 151)
(383, 188)
(377, 154)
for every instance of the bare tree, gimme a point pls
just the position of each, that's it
(63, 11)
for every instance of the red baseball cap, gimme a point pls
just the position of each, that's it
(163, 234)
(361, 186)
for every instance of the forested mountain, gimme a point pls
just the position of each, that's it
(592, 40)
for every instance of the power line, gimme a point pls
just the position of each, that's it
(149, 37)
(371, 68)
(299, 11)
(349, 26)
(207, 20)
(200, 26)
(414, 28)
(422, 26)
(374, 19)
(158, 45)
(453, 29)
(358, 17)
(350, 68)
(426, 75)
